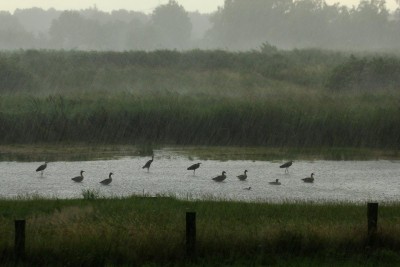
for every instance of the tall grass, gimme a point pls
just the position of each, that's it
(289, 118)
(139, 230)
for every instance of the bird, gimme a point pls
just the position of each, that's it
(194, 167)
(220, 178)
(108, 180)
(242, 177)
(247, 188)
(42, 167)
(309, 179)
(148, 163)
(286, 165)
(276, 182)
(78, 178)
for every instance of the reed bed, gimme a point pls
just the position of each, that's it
(143, 230)
(289, 119)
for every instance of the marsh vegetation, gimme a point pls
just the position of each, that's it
(140, 230)
(287, 99)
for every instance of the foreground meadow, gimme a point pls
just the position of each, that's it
(151, 231)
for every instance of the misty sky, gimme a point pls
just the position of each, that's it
(203, 6)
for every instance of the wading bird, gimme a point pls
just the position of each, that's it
(79, 178)
(220, 178)
(242, 177)
(276, 182)
(286, 165)
(309, 179)
(148, 163)
(194, 167)
(42, 167)
(108, 180)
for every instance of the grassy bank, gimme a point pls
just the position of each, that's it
(85, 152)
(137, 230)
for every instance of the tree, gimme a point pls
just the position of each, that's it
(172, 25)
(72, 30)
(242, 24)
(12, 33)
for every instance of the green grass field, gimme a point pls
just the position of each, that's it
(145, 230)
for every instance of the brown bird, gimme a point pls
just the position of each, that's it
(108, 180)
(309, 179)
(42, 167)
(148, 163)
(242, 177)
(194, 167)
(220, 178)
(286, 165)
(79, 178)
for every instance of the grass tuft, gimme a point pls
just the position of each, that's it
(90, 194)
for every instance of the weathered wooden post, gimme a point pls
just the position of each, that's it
(19, 248)
(190, 234)
(372, 214)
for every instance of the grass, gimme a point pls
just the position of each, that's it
(85, 152)
(287, 120)
(193, 98)
(90, 194)
(140, 230)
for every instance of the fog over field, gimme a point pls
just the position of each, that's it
(236, 25)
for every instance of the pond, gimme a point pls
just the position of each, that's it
(349, 181)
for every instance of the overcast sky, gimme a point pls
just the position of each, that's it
(203, 6)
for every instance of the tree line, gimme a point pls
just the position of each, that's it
(237, 25)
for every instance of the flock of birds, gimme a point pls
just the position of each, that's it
(193, 167)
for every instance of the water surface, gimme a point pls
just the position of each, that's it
(354, 181)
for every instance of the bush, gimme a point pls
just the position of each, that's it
(366, 74)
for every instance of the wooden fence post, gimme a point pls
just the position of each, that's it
(19, 246)
(372, 214)
(190, 234)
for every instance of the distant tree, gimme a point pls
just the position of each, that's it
(172, 26)
(200, 24)
(369, 24)
(12, 33)
(36, 20)
(72, 31)
(140, 36)
(128, 16)
(243, 24)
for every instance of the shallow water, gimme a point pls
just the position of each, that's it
(354, 181)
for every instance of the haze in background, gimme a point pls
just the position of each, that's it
(236, 25)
